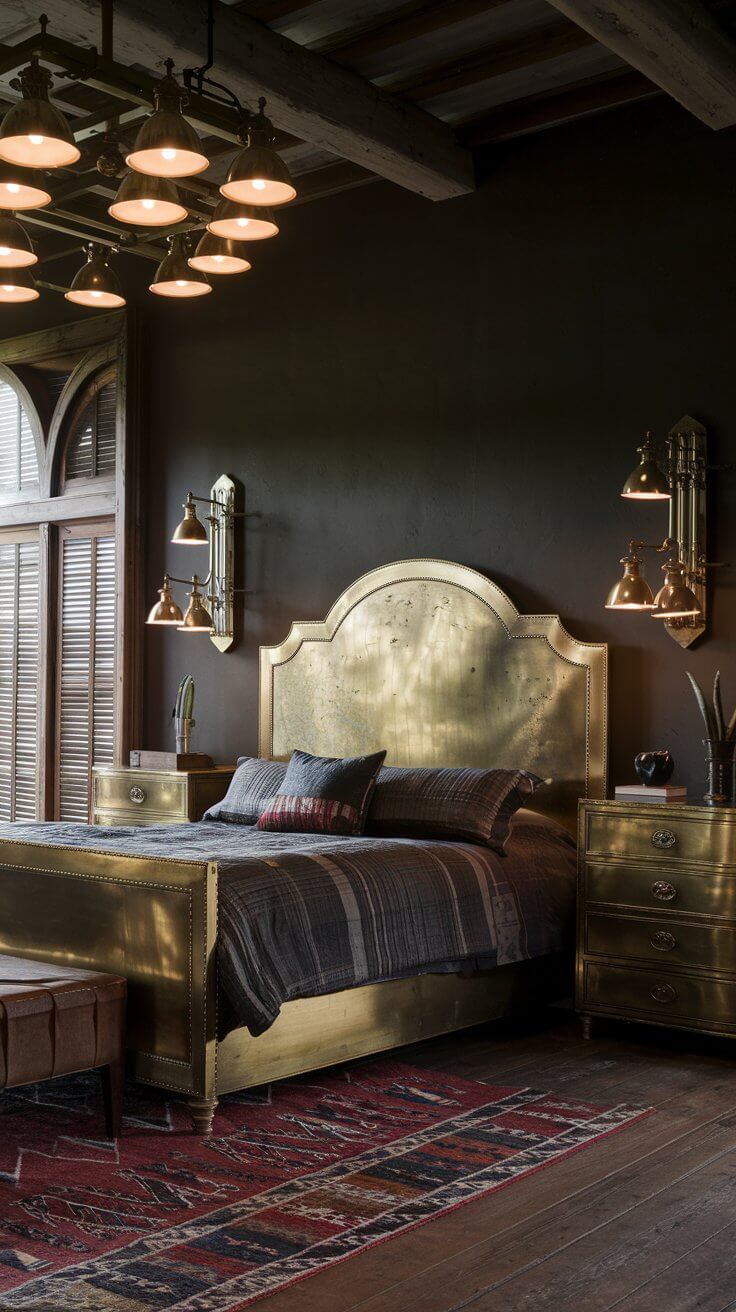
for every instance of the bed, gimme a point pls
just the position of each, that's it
(427, 659)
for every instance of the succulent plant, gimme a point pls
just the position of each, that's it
(712, 712)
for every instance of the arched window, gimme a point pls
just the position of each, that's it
(18, 459)
(90, 443)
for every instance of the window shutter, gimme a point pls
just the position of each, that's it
(19, 679)
(18, 462)
(91, 448)
(86, 679)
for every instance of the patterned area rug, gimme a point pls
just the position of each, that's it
(295, 1178)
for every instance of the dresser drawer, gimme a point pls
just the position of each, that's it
(708, 894)
(662, 996)
(144, 795)
(680, 839)
(121, 817)
(662, 942)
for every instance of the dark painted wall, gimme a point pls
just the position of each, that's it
(466, 380)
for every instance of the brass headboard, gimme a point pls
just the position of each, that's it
(433, 662)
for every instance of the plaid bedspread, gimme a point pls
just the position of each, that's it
(305, 914)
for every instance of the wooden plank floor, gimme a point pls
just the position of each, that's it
(644, 1221)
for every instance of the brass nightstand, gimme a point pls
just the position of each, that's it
(123, 795)
(657, 915)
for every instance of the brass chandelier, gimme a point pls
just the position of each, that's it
(36, 136)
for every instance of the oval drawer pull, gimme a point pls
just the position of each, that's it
(664, 890)
(664, 838)
(664, 993)
(137, 794)
(663, 941)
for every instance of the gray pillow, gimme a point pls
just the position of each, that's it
(324, 795)
(457, 803)
(252, 789)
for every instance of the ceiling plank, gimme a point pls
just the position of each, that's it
(492, 61)
(534, 113)
(416, 18)
(678, 44)
(307, 94)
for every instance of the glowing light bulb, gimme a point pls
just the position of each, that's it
(4, 250)
(259, 184)
(181, 282)
(7, 288)
(95, 293)
(168, 152)
(35, 140)
(242, 223)
(14, 187)
(217, 258)
(148, 204)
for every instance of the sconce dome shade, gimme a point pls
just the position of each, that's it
(96, 285)
(20, 189)
(242, 222)
(219, 255)
(16, 251)
(35, 134)
(191, 531)
(675, 600)
(174, 277)
(147, 202)
(166, 610)
(197, 618)
(259, 176)
(17, 285)
(167, 146)
(632, 592)
(647, 482)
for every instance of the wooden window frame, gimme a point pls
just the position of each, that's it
(110, 338)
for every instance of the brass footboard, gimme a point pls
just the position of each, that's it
(152, 920)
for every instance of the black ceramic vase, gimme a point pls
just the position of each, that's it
(654, 767)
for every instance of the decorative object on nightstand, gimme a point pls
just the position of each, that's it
(719, 744)
(678, 478)
(656, 937)
(145, 795)
(182, 714)
(654, 768)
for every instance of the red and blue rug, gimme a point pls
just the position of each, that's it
(295, 1178)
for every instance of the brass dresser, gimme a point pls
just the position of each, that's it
(656, 939)
(124, 795)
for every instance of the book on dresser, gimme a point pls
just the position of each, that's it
(651, 793)
(656, 915)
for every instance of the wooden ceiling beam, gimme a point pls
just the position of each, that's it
(308, 95)
(547, 110)
(493, 61)
(412, 20)
(678, 44)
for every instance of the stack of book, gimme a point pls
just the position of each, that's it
(651, 793)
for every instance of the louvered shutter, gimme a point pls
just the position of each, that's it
(18, 461)
(86, 676)
(19, 679)
(90, 449)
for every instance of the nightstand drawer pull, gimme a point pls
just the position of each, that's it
(137, 794)
(663, 839)
(664, 890)
(664, 993)
(663, 941)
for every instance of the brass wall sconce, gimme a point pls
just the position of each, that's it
(679, 479)
(210, 608)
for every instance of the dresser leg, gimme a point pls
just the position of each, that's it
(587, 1026)
(202, 1111)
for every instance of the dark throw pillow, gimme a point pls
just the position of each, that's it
(460, 803)
(253, 787)
(324, 795)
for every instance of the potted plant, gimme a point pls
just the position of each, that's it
(720, 743)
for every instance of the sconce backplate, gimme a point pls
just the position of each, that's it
(688, 521)
(222, 557)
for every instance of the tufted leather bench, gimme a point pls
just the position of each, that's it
(58, 1019)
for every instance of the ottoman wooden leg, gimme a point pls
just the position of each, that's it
(113, 1077)
(202, 1111)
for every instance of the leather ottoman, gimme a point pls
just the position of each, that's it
(57, 1019)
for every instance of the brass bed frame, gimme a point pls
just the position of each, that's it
(425, 658)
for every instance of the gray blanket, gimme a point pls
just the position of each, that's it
(305, 914)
